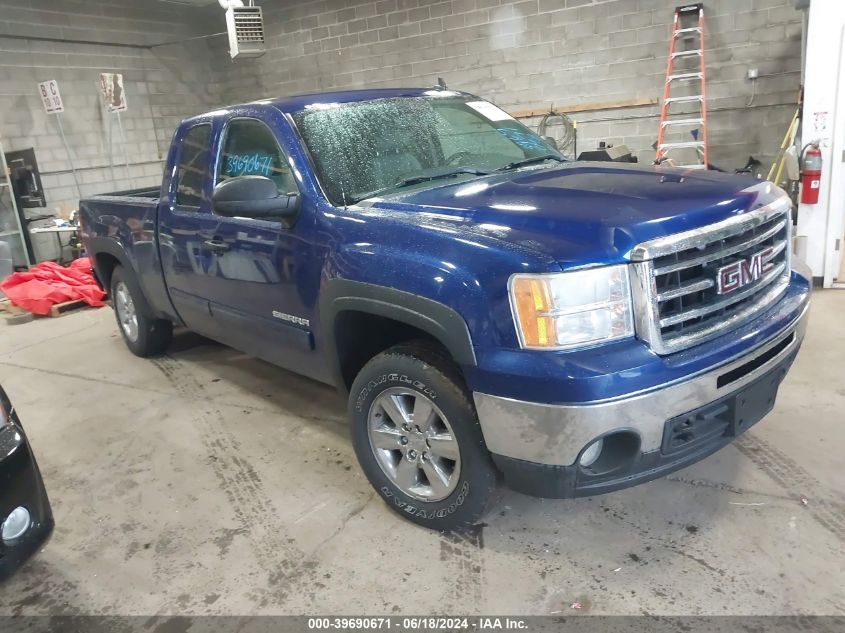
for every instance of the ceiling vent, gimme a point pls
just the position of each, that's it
(245, 26)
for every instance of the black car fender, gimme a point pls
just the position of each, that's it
(432, 317)
(104, 245)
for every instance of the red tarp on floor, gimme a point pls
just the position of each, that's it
(48, 283)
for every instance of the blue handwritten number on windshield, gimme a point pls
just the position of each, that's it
(525, 141)
(249, 165)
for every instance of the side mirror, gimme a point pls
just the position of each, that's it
(551, 141)
(253, 197)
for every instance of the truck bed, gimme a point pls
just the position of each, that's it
(145, 193)
(122, 226)
(116, 208)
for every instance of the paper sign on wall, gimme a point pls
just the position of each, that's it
(111, 89)
(489, 110)
(820, 123)
(50, 97)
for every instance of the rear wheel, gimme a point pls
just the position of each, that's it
(143, 335)
(418, 439)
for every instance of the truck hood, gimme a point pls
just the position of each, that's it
(582, 213)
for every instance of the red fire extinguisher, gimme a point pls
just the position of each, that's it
(811, 177)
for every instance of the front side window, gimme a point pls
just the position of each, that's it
(250, 149)
(193, 165)
(366, 147)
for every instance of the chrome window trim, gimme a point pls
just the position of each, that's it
(643, 279)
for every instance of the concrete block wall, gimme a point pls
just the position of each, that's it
(522, 54)
(163, 85)
(533, 53)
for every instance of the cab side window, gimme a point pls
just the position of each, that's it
(251, 149)
(193, 164)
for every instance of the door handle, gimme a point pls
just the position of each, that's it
(216, 245)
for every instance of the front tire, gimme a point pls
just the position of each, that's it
(418, 440)
(143, 335)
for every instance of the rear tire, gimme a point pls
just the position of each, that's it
(143, 335)
(418, 440)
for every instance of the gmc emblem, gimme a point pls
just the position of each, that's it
(741, 273)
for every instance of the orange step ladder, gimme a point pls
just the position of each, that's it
(690, 149)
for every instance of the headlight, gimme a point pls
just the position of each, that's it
(574, 309)
(4, 416)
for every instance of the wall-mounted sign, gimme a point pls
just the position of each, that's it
(820, 123)
(50, 97)
(111, 88)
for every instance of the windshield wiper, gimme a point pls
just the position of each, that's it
(415, 180)
(457, 171)
(531, 160)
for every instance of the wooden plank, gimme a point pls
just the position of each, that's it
(584, 107)
(10, 308)
(60, 308)
(57, 310)
(12, 314)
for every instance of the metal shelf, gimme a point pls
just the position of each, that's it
(4, 182)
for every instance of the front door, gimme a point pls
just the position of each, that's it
(259, 275)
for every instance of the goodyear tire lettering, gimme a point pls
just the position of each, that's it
(422, 512)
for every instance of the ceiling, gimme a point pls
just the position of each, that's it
(194, 3)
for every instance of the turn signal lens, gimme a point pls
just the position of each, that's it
(531, 297)
(574, 309)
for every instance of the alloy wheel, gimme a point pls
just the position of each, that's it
(125, 308)
(414, 444)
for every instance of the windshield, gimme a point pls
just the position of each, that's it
(366, 148)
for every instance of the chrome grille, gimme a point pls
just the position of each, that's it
(677, 298)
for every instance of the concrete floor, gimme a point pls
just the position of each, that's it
(210, 482)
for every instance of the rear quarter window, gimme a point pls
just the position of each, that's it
(193, 165)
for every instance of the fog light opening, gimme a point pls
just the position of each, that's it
(612, 453)
(15, 525)
(591, 454)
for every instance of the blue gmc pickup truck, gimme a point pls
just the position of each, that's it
(492, 310)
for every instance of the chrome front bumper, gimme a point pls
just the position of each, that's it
(556, 434)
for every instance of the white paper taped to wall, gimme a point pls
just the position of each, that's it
(490, 111)
(50, 97)
(112, 92)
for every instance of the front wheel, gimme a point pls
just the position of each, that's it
(143, 335)
(418, 439)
